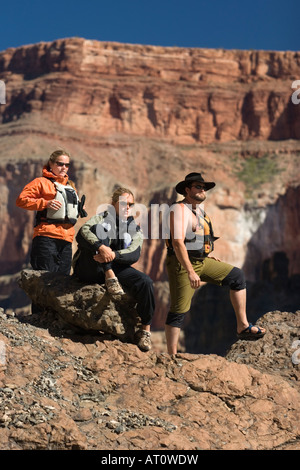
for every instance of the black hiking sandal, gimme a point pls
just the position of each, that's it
(249, 335)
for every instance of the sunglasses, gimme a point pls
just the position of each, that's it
(198, 186)
(62, 164)
(126, 204)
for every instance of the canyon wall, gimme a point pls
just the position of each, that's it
(144, 117)
(183, 94)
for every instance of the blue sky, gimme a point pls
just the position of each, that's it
(228, 24)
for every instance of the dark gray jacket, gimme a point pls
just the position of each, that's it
(124, 238)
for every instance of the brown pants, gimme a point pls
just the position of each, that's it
(181, 293)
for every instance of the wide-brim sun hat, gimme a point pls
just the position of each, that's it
(190, 178)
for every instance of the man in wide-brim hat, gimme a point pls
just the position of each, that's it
(188, 262)
(192, 178)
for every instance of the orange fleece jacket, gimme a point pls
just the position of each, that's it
(34, 197)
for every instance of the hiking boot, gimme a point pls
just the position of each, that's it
(113, 287)
(143, 340)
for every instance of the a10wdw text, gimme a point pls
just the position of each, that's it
(151, 459)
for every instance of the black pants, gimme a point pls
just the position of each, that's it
(136, 283)
(51, 254)
(140, 287)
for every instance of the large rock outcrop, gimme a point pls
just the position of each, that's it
(279, 353)
(89, 307)
(61, 390)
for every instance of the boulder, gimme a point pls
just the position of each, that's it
(89, 307)
(278, 352)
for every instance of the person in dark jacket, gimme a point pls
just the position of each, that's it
(108, 244)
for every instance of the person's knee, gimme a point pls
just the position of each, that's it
(175, 319)
(146, 281)
(235, 279)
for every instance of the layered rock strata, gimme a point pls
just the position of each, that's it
(189, 95)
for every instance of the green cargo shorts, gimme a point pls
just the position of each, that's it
(181, 292)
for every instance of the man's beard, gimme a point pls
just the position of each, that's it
(199, 198)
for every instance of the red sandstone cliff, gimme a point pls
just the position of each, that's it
(145, 116)
(186, 95)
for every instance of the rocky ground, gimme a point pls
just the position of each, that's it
(61, 388)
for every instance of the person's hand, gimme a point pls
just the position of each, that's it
(54, 204)
(216, 259)
(105, 254)
(194, 280)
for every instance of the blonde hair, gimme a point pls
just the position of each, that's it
(118, 192)
(54, 156)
